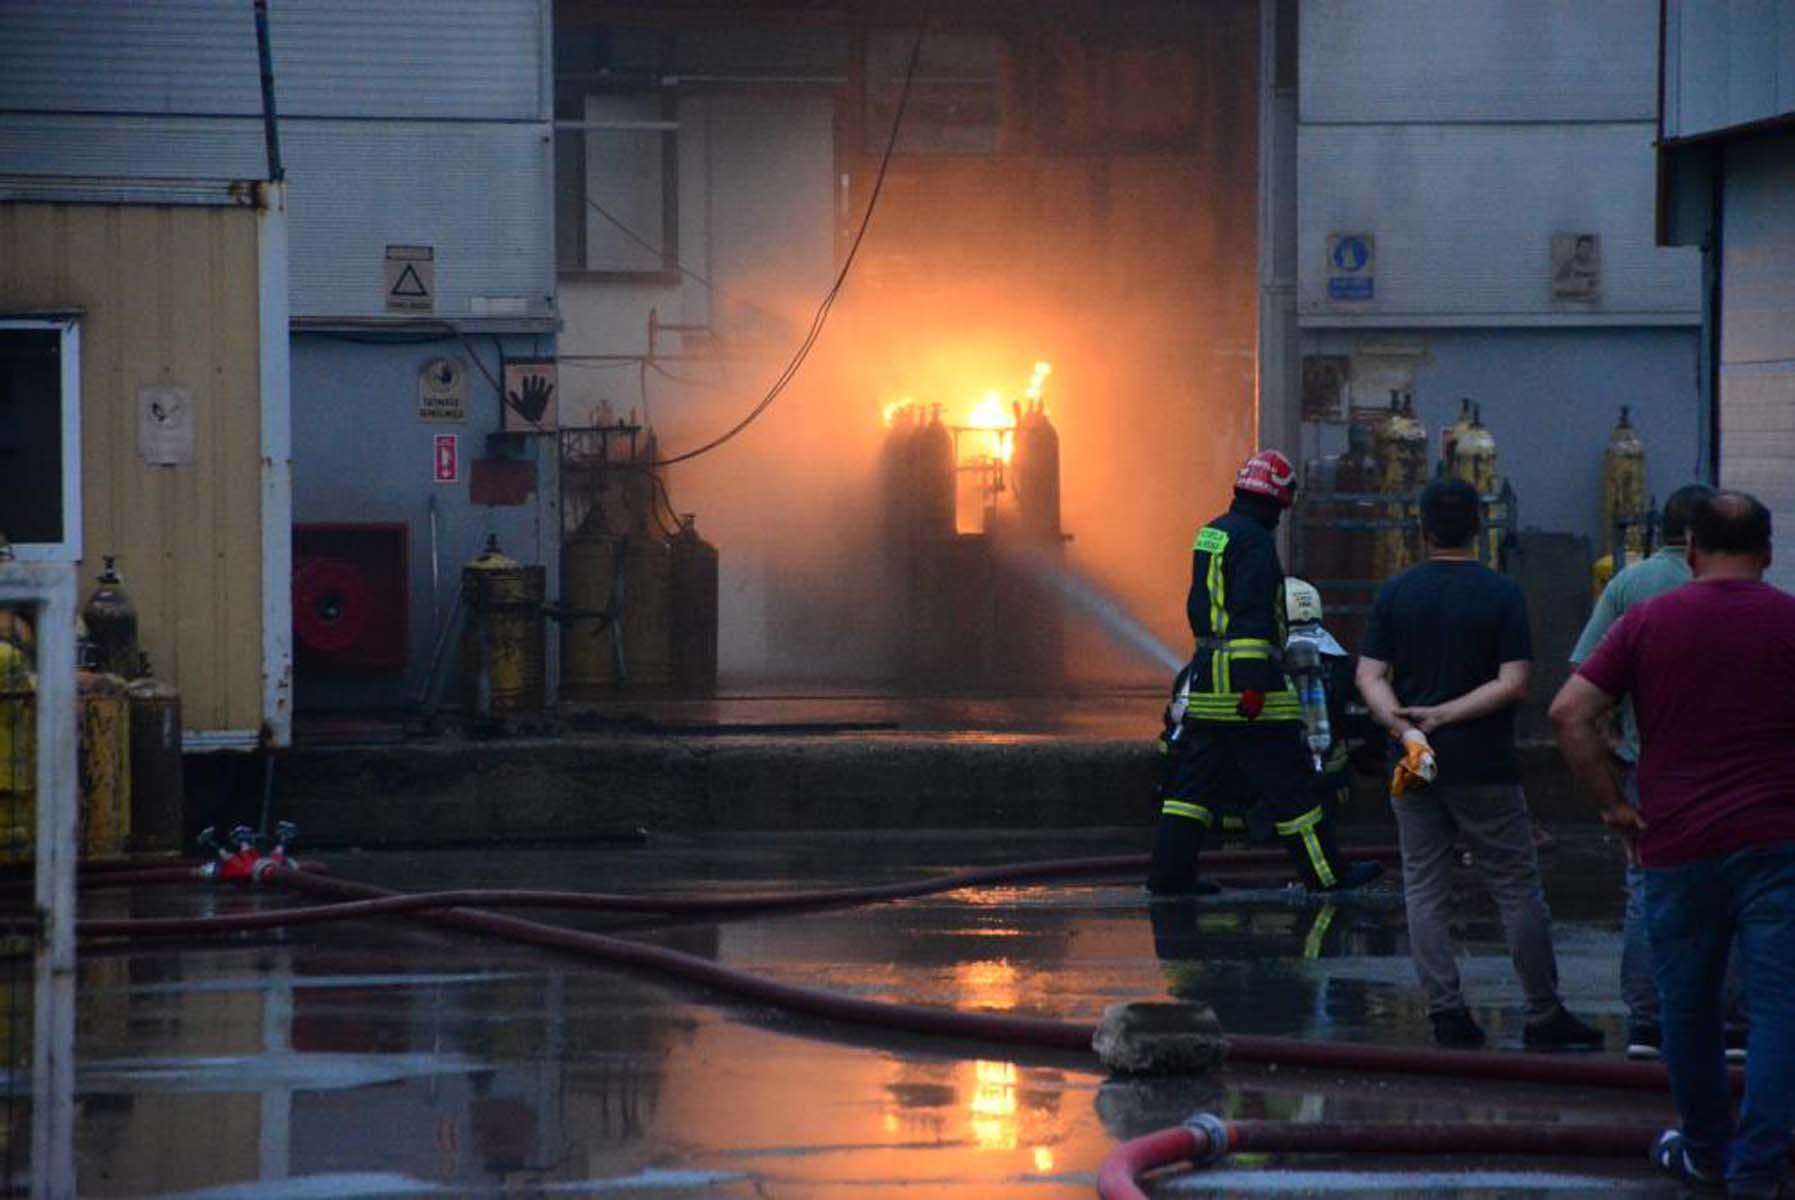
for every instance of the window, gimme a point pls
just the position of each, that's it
(40, 438)
(617, 181)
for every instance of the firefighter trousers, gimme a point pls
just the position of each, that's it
(1265, 766)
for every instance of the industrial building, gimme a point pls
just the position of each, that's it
(1726, 175)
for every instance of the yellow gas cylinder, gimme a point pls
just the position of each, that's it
(103, 724)
(1449, 446)
(1402, 472)
(18, 739)
(1623, 489)
(1599, 575)
(502, 642)
(1474, 461)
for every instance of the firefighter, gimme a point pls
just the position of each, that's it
(1241, 731)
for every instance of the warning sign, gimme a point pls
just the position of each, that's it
(530, 402)
(448, 458)
(442, 390)
(411, 279)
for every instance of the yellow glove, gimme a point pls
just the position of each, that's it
(1417, 768)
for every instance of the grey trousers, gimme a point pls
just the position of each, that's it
(1493, 821)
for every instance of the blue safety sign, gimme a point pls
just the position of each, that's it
(1351, 266)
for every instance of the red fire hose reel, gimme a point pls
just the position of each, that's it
(332, 604)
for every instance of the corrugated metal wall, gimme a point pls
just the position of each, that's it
(436, 59)
(1464, 216)
(1462, 137)
(169, 297)
(1757, 346)
(1394, 60)
(1727, 62)
(449, 146)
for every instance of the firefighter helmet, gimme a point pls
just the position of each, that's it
(1302, 601)
(1268, 473)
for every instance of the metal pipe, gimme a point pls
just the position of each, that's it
(265, 54)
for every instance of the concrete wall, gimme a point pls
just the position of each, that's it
(362, 455)
(1550, 396)
(167, 295)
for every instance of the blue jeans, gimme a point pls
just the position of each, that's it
(1693, 914)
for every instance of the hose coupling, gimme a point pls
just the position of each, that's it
(1213, 1131)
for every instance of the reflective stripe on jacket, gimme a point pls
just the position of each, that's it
(1236, 611)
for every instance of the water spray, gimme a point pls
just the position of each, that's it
(1102, 608)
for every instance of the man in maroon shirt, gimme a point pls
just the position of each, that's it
(1711, 670)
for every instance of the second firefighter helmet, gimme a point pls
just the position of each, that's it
(1302, 601)
(1268, 473)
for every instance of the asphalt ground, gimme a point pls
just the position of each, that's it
(384, 1058)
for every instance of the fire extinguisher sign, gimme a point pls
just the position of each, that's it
(448, 458)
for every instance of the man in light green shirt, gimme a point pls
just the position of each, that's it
(1662, 571)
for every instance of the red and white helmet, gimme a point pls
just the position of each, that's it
(1268, 473)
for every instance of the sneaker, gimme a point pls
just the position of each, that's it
(1671, 1156)
(1357, 875)
(1562, 1031)
(1455, 1027)
(1645, 1042)
(1736, 1037)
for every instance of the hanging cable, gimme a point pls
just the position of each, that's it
(841, 277)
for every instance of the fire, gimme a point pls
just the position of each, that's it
(1038, 380)
(990, 414)
(890, 412)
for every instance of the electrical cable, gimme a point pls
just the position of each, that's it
(841, 278)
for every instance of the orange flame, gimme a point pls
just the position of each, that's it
(991, 414)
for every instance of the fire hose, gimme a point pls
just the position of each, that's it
(1206, 1138)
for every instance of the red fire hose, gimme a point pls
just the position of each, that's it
(1207, 1138)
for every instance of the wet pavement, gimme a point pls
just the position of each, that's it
(385, 1058)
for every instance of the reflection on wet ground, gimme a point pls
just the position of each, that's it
(382, 1058)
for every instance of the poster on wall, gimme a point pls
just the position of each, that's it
(447, 465)
(1324, 386)
(530, 402)
(1576, 266)
(1352, 268)
(166, 431)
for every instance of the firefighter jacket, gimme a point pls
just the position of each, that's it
(1236, 611)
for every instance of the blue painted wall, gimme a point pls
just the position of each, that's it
(1551, 397)
(361, 454)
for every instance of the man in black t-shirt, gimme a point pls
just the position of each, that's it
(1445, 660)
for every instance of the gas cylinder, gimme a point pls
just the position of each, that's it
(1623, 489)
(156, 780)
(622, 590)
(1454, 431)
(1474, 461)
(1037, 474)
(112, 624)
(103, 723)
(502, 647)
(693, 657)
(932, 469)
(897, 490)
(18, 739)
(1402, 471)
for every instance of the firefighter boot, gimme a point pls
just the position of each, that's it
(1313, 847)
(1177, 842)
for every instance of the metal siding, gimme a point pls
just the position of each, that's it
(1757, 350)
(440, 59)
(1478, 60)
(132, 147)
(474, 192)
(360, 454)
(169, 296)
(1728, 62)
(1463, 217)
